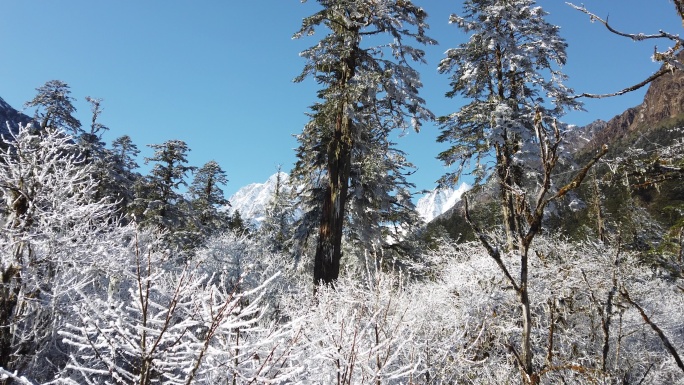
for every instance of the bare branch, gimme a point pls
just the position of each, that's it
(7, 375)
(577, 180)
(668, 57)
(635, 87)
(633, 36)
(494, 252)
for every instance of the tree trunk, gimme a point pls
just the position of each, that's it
(8, 301)
(329, 249)
(526, 345)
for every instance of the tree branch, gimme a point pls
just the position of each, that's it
(492, 251)
(635, 87)
(659, 332)
(633, 36)
(577, 180)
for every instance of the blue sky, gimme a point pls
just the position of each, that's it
(218, 73)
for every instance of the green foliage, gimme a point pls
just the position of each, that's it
(353, 176)
(207, 196)
(54, 107)
(158, 203)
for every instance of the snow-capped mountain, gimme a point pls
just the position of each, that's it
(439, 201)
(253, 200)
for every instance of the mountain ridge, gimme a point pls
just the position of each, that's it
(664, 99)
(11, 117)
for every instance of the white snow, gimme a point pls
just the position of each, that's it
(439, 201)
(253, 200)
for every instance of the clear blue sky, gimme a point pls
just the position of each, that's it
(218, 73)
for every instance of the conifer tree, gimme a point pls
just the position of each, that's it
(158, 203)
(362, 86)
(277, 226)
(120, 178)
(207, 196)
(510, 69)
(90, 142)
(54, 107)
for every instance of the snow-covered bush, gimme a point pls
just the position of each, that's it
(53, 234)
(172, 324)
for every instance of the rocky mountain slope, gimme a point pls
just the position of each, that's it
(10, 119)
(664, 100)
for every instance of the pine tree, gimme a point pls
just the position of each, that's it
(54, 107)
(119, 183)
(277, 226)
(509, 68)
(207, 197)
(362, 87)
(90, 142)
(158, 202)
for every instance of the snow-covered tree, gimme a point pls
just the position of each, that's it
(276, 230)
(364, 85)
(54, 107)
(51, 219)
(90, 142)
(158, 203)
(163, 323)
(207, 197)
(118, 177)
(510, 69)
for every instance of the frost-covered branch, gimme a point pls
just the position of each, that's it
(21, 380)
(635, 87)
(666, 342)
(668, 57)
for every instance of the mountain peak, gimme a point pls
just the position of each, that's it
(439, 201)
(253, 200)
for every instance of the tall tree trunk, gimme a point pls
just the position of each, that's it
(329, 249)
(531, 377)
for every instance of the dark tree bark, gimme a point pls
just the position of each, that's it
(329, 247)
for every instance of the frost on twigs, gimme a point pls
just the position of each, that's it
(175, 324)
(671, 57)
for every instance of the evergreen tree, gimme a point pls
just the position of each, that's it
(54, 107)
(90, 142)
(509, 68)
(119, 179)
(125, 152)
(236, 224)
(277, 226)
(362, 87)
(158, 202)
(207, 196)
